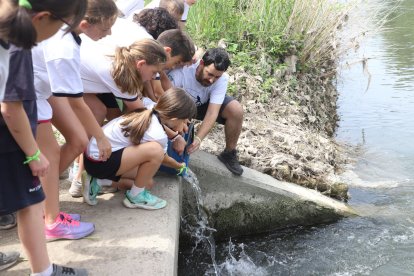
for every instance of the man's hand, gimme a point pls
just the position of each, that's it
(105, 148)
(194, 146)
(41, 167)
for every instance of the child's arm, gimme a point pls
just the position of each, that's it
(171, 162)
(165, 81)
(148, 91)
(157, 89)
(91, 126)
(18, 124)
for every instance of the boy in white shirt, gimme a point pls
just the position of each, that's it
(206, 82)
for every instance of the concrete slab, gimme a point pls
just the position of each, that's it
(125, 242)
(255, 202)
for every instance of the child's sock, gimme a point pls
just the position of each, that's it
(104, 182)
(47, 272)
(136, 190)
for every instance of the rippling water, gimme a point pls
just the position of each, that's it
(379, 122)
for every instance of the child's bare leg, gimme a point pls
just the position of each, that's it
(146, 157)
(66, 121)
(32, 235)
(50, 183)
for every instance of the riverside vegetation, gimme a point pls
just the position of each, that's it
(285, 56)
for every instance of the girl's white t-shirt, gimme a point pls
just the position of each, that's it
(123, 34)
(4, 68)
(113, 131)
(56, 66)
(96, 75)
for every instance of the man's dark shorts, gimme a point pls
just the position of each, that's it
(202, 110)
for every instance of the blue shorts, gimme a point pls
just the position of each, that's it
(18, 187)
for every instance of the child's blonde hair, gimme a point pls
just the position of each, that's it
(124, 69)
(174, 103)
(101, 10)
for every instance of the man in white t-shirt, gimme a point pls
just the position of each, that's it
(206, 82)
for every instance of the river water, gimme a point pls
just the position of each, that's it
(378, 122)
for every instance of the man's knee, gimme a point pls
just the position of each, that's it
(233, 110)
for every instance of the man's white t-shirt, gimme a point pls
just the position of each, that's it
(185, 78)
(113, 131)
(56, 66)
(4, 67)
(123, 34)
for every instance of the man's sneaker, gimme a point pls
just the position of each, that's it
(75, 189)
(229, 158)
(144, 200)
(8, 259)
(66, 271)
(90, 189)
(8, 221)
(64, 228)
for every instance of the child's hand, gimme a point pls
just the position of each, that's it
(179, 145)
(105, 148)
(41, 167)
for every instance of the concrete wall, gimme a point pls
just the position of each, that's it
(255, 202)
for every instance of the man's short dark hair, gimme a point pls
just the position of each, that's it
(217, 56)
(179, 42)
(156, 21)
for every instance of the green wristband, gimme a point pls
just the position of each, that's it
(182, 170)
(34, 157)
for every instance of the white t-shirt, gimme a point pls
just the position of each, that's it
(185, 13)
(4, 67)
(113, 131)
(123, 33)
(56, 66)
(185, 78)
(128, 6)
(96, 74)
(153, 4)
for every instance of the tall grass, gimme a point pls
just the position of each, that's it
(244, 24)
(277, 28)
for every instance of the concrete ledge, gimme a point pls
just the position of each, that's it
(255, 202)
(125, 242)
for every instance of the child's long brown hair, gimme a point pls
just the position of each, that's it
(124, 70)
(101, 10)
(175, 103)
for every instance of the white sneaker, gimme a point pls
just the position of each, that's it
(75, 189)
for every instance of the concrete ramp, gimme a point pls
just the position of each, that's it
(256, 202)
(125, 242)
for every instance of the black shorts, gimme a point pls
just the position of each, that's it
(108, 99)
(202, 110)
(18, 187)
(104, 170)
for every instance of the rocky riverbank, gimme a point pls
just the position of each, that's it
(288, 133)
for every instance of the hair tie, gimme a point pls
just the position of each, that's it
(25, 4)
